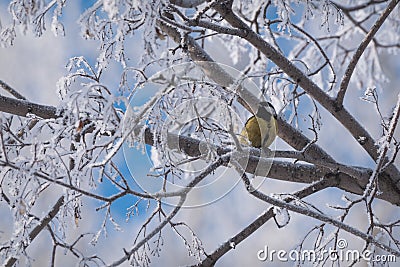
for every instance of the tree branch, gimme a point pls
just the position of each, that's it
(262, 219)
(289, 134)
(23, 107)
(338, 111)
(316, 215)
(360, 6)
(352, 179)
(11, 90)
(129, 253)
(388, 139)
(301, 173)
(43, 223)
(184, 191)
(285, 131)
(360, 50)
(187, 3)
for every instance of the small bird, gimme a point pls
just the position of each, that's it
(260, 130)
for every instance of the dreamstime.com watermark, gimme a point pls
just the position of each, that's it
(340, 254)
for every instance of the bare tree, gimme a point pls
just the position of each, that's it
(333, 168)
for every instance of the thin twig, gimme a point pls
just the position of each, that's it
(11, 90)
(182, 199)
(382, 156)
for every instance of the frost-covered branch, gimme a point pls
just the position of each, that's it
(142, 242)
(315, 214)
(387, 139)
(360, 51)
(211, 168)
(288, 133)
(353, 179)
(338, 111)
(42, 224)
(228, 245)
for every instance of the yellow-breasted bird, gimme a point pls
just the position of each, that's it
(260, 130)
